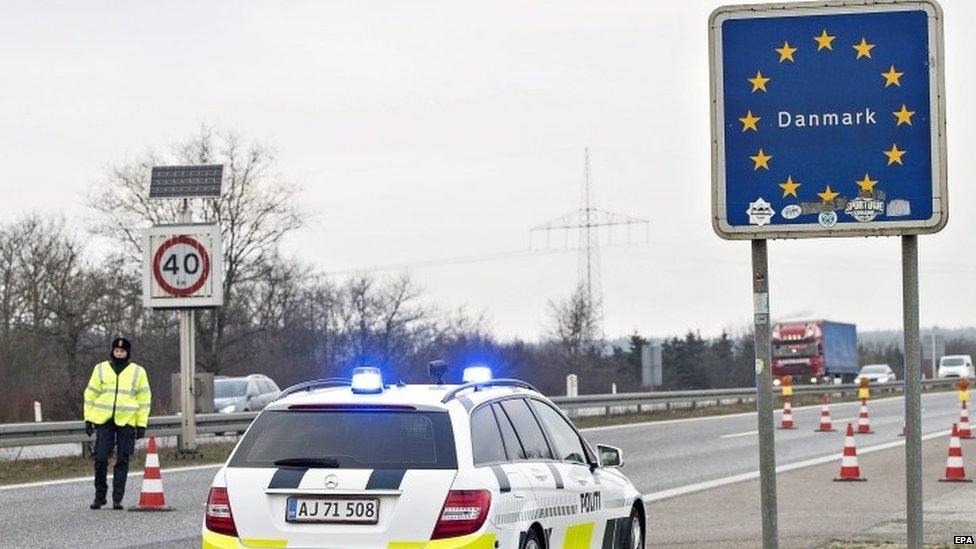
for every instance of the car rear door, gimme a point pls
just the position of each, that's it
(495, 447)
(332, 464)
(552, 502)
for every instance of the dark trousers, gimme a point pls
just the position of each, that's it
(123, 440)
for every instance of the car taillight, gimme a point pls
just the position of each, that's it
(220, 519)
(463, 513)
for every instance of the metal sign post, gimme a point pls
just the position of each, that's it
(828, 120)
(188, 365)
(183, 270)
(764, 393)
(188, 357)
(913, 388)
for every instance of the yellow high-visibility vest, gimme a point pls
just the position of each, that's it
(124, 397)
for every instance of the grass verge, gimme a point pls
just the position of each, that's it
(34, 470)
(584, 422)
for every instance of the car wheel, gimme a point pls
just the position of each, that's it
(531, 540)
(635, 534)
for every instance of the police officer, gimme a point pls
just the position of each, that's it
(117, 403)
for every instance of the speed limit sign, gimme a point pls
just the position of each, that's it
(182, 266)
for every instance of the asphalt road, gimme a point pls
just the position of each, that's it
(814, 510)
(667, 455)
(675, 456)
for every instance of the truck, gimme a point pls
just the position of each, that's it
(815, 351)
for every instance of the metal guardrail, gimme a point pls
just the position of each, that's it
(722, 395)
(57, 432)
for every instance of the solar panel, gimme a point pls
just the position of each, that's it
(186, 181)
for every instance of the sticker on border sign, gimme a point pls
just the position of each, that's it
(865, 208)
(899, 207)
(791, 211)
(827, 219)
(760, 212)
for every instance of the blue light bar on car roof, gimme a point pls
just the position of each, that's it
(367, 380)
(476, 374)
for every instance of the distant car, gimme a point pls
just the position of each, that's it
(877, 373)
(244, 394)
(956, 366)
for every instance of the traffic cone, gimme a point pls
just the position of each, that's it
(864, 422)
(151, 498)
(825, 425)
(964, 430)
(849, 470)
(954, 470)
(787, 421)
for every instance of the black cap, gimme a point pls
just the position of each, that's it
(122, 343)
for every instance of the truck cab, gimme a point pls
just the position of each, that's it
(815, 351)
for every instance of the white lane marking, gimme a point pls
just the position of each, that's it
(91, 479)
(665, 422)
(734, 435)
(740, 414)
(715, 483)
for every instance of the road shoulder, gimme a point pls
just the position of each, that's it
(729, 516)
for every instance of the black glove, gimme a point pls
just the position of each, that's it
(140, 432)
(89, 428)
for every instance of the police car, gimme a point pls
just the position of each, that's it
(490, 463)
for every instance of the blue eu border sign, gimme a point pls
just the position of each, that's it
(828, 119)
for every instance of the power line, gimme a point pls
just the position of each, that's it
(588, 221)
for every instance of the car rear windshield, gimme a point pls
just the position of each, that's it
(224, 388)
(352, 439)
(953, 361)
(874, 369)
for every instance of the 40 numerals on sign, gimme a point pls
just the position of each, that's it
(183, 266)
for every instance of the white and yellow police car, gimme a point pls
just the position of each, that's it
(482, 465)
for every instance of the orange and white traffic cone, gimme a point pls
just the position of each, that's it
(954, 469)
(849, 470)
(864, 422)
(825, 425)
(787, 421)
(964, 430)
(151, 498)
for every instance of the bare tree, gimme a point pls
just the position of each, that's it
(254, 212)
(11, 295)
(574, 324)
(378, 318)
(53, 301)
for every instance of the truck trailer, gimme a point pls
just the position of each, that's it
(815, 351)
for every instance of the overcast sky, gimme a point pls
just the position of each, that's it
(430, 131)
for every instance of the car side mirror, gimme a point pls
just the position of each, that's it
(610, 456)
